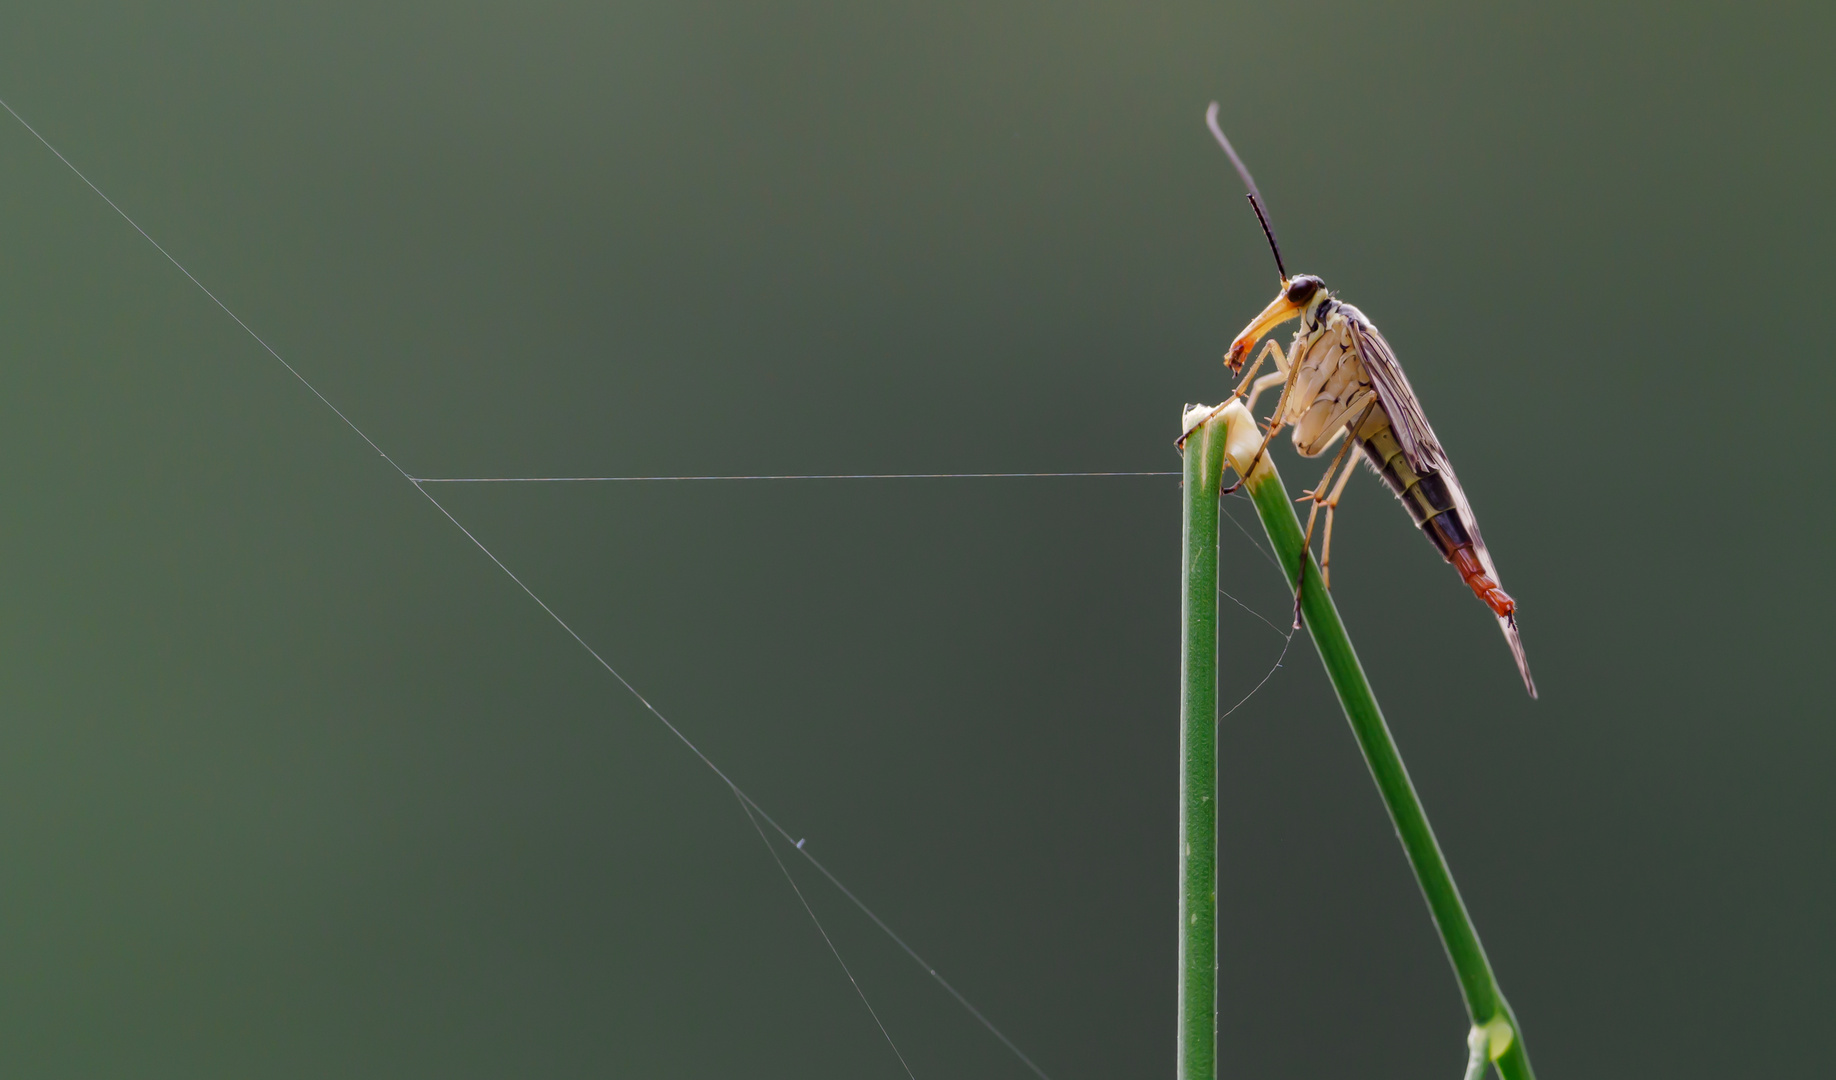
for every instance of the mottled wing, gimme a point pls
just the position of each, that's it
(1406, 416)
(1424, 452)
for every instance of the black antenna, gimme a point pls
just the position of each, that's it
(1268, 231)
(1255, 196)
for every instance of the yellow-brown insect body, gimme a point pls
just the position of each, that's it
(1331, 387)
(1340, 378)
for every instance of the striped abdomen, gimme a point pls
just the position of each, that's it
(1434, 509)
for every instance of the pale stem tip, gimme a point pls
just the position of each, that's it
(1193, 417)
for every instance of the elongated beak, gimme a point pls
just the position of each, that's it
(1272, 316)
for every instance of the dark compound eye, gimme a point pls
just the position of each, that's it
(1302, 288)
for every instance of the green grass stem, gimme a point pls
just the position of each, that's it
(1485, 1004)
(1198, 757)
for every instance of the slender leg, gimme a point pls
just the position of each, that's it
(1268, 348)
(1338, 489)
(1274, 426)
(1332, 505)
(1273, 378)
(1318, 495)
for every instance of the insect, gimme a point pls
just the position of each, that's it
(1340, 378)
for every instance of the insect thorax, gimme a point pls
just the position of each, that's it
(1332, 387)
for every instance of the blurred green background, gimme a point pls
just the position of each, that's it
(294, 783)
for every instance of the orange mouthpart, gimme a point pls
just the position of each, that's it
(1272, 316)
(1482, 584)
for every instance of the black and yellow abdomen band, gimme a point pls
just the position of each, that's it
(1424, 494)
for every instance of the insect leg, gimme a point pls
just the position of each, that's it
(1274, 426)
(1318, 495)
(1269, 348)
(1271, 379)
(1338, 489)
(1257, 388)
(1332, 505)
